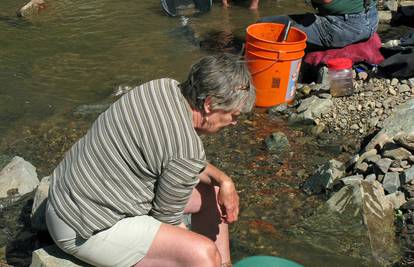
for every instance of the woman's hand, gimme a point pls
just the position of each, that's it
(228, 200)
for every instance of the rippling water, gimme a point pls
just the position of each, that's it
(77, 52)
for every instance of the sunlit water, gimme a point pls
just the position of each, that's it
(79, 52)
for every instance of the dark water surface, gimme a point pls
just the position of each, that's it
(79, 52)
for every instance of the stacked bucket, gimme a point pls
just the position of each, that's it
(274, 65)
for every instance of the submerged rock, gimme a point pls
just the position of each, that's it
(277, 143)
(324, 177)
(357, 221)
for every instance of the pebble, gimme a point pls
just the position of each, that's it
(392, 91)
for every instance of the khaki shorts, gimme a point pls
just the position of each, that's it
(124, 244)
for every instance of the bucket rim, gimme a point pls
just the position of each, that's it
(277, 51)
(275, 42)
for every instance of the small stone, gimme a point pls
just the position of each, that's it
(391, 182)
(408, 175)
(371, 177)
(394, 82)
(362, 75)
(397, 199)
(397, 169)
(392, 91)
(404, 88)
(383, 164)
(361, 167)
(354, 126)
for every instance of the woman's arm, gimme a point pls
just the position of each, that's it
(227, 195)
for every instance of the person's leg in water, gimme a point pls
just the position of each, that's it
(206, 219)
(206, 245)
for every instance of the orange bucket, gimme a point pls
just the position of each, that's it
(274, 65)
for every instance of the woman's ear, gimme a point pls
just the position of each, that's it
(207, 105)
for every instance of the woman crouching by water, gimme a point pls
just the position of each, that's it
(119, 195)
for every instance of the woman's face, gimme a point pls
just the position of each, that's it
(218, 119)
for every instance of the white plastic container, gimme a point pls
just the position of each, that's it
(340, 76)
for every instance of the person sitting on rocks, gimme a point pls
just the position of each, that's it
(337, 23)
(119, 195)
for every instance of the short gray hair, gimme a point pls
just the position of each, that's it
(225, 78)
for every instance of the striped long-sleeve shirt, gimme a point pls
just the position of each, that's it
(141, 156)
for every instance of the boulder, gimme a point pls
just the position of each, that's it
(52, 256)
(324, 177)
(357, 221)
(401, 120)
(17, 178)
(39, 205)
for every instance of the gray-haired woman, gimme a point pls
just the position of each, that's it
(119, 195)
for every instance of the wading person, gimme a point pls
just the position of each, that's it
(119, 195)
(337, 23)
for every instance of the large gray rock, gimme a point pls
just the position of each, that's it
(324, 177)
(357, 221)
(314, 107)
(401, 120)
(52, 256)
(17, 178)
(39, 205)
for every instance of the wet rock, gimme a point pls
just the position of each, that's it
(32, 7)
(17, 178)
(39, 205)
(277, 143)
(83, 110)
(370, 237)
(52, 256)
(324, 177)
(391, 182)
(397, 199)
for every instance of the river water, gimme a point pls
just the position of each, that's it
(78, 53)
